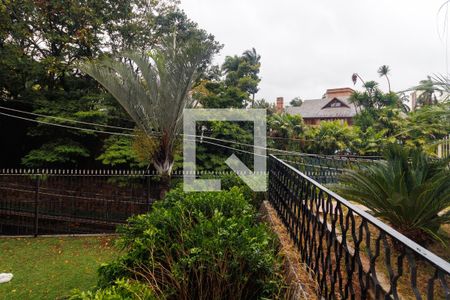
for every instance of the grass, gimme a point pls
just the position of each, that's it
(49, 268)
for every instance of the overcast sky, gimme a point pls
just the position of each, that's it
(309, 46)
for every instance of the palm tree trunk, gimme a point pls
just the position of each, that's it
(389, 83)
(163, 163)
(164, 185)
(164, 169)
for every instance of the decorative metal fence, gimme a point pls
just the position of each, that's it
(350, 253)
(325, 168)
(36, 202)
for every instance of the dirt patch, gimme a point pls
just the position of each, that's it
(301, 283)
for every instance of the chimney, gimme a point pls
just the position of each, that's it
(413, 101)
(339, 92)
(280, 104)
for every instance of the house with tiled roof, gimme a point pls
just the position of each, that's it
(334, 105)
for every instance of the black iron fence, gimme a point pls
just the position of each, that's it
(36, 202)
(350, 253)
(325, 168)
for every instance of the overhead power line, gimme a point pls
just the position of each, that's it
(66, 126)
(3, 100)
(153, 133)
(65, 119)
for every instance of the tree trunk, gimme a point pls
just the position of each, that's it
(163, 163)
(164, 185)
(164, 169)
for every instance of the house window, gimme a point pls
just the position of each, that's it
(336, 104)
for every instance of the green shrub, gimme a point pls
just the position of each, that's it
(199, 246)
(231, 180)
(408, 189)
(123, 289)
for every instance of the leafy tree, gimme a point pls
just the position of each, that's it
(296, 102)
(425, 127)
(285, 131)
(154, 90)
(233, 86)
(253, 59)
(119, 152)
(263, 104)
(236, 85)
(330, 137)
(369, 142)
(373, 98)
(59, 152)
(409, 190)
(40, 41)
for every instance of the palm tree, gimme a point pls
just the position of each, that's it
(407, 189)
(252, 56)
(443, 82)
(153, 89)
(284, 128)
(429, 89)
(384, 71)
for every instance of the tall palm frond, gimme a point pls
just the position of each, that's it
(154, 89)
(443, 82)
(432, 90)
(252, 56)
(384, 71)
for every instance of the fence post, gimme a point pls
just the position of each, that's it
(36, 206)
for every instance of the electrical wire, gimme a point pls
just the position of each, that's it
(3, 100)
(117, 127)
(156, 134)
(66, 126)
(65, 119)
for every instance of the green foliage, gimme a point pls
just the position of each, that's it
(118, 152)
(430, 91)
(296, 102)
(384, 71)
(331, 138)
(41, 40)
(373, 99)
(409, 190)
(284, 129)
(123, 289)
(154, 89)
(235, 85)
(199, 246)
(59, 153)
(212, 157)
(425, 126)
(263, 104)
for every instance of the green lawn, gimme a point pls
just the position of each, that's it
(49, 268)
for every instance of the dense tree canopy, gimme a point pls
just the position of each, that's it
(234, 85)
(40, 42)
